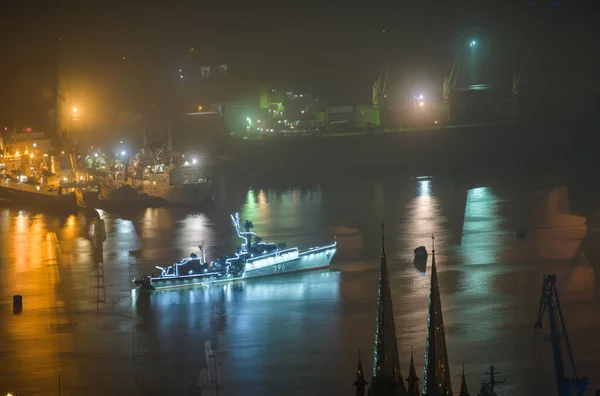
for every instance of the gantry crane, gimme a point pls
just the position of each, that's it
(379, 85)
(549, 301)
(515, 82)
(450, 81)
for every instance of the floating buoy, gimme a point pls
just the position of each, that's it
(17, 304)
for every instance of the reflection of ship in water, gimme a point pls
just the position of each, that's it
(488, 388)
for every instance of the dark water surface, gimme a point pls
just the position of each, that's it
(296, 334)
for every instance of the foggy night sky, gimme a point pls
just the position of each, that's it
(326, 48)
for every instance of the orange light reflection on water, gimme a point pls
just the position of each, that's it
(39, 335)
(425, 218)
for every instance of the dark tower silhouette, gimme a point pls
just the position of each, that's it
(360, 383)
(436, 378)
(463, 384)
(387, 379)
(412, 380)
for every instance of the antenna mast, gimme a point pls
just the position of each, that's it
(170, 144)
(58, 97)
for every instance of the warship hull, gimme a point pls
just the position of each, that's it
(307, 260)
(253, 259)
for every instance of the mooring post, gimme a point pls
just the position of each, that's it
(17, 304)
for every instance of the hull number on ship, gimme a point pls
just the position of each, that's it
(279, 268)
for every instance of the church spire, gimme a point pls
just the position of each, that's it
(412, 380)
(360, 382)
(387, 378)
(463, 384)
(436, 376)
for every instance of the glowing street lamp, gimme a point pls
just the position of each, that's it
(473, 43)
(419, 100)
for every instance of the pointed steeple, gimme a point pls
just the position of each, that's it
(360, 382)
(436, 375)
(463, 384)
(387, 378)
(412, 380)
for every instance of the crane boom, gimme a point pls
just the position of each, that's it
(379, 85)
(450, 81)
(549, 302)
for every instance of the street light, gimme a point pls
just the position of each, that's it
(473, 43)
(419, 100)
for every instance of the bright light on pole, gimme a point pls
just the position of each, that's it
(473, 43)
(75, 110)
(123, 152)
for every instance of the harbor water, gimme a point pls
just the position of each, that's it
(83, 326)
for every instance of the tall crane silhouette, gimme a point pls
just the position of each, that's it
(450, 80)
(549, 302)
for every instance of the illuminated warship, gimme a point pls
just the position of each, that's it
(253, 258)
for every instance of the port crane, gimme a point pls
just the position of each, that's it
(380, 85)
(549, 302)
(450, 80)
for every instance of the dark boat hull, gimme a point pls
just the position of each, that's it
(66, 202)
(115, 205)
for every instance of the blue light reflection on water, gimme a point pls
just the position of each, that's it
(285, 333)
(256, 315)
(482, 239)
